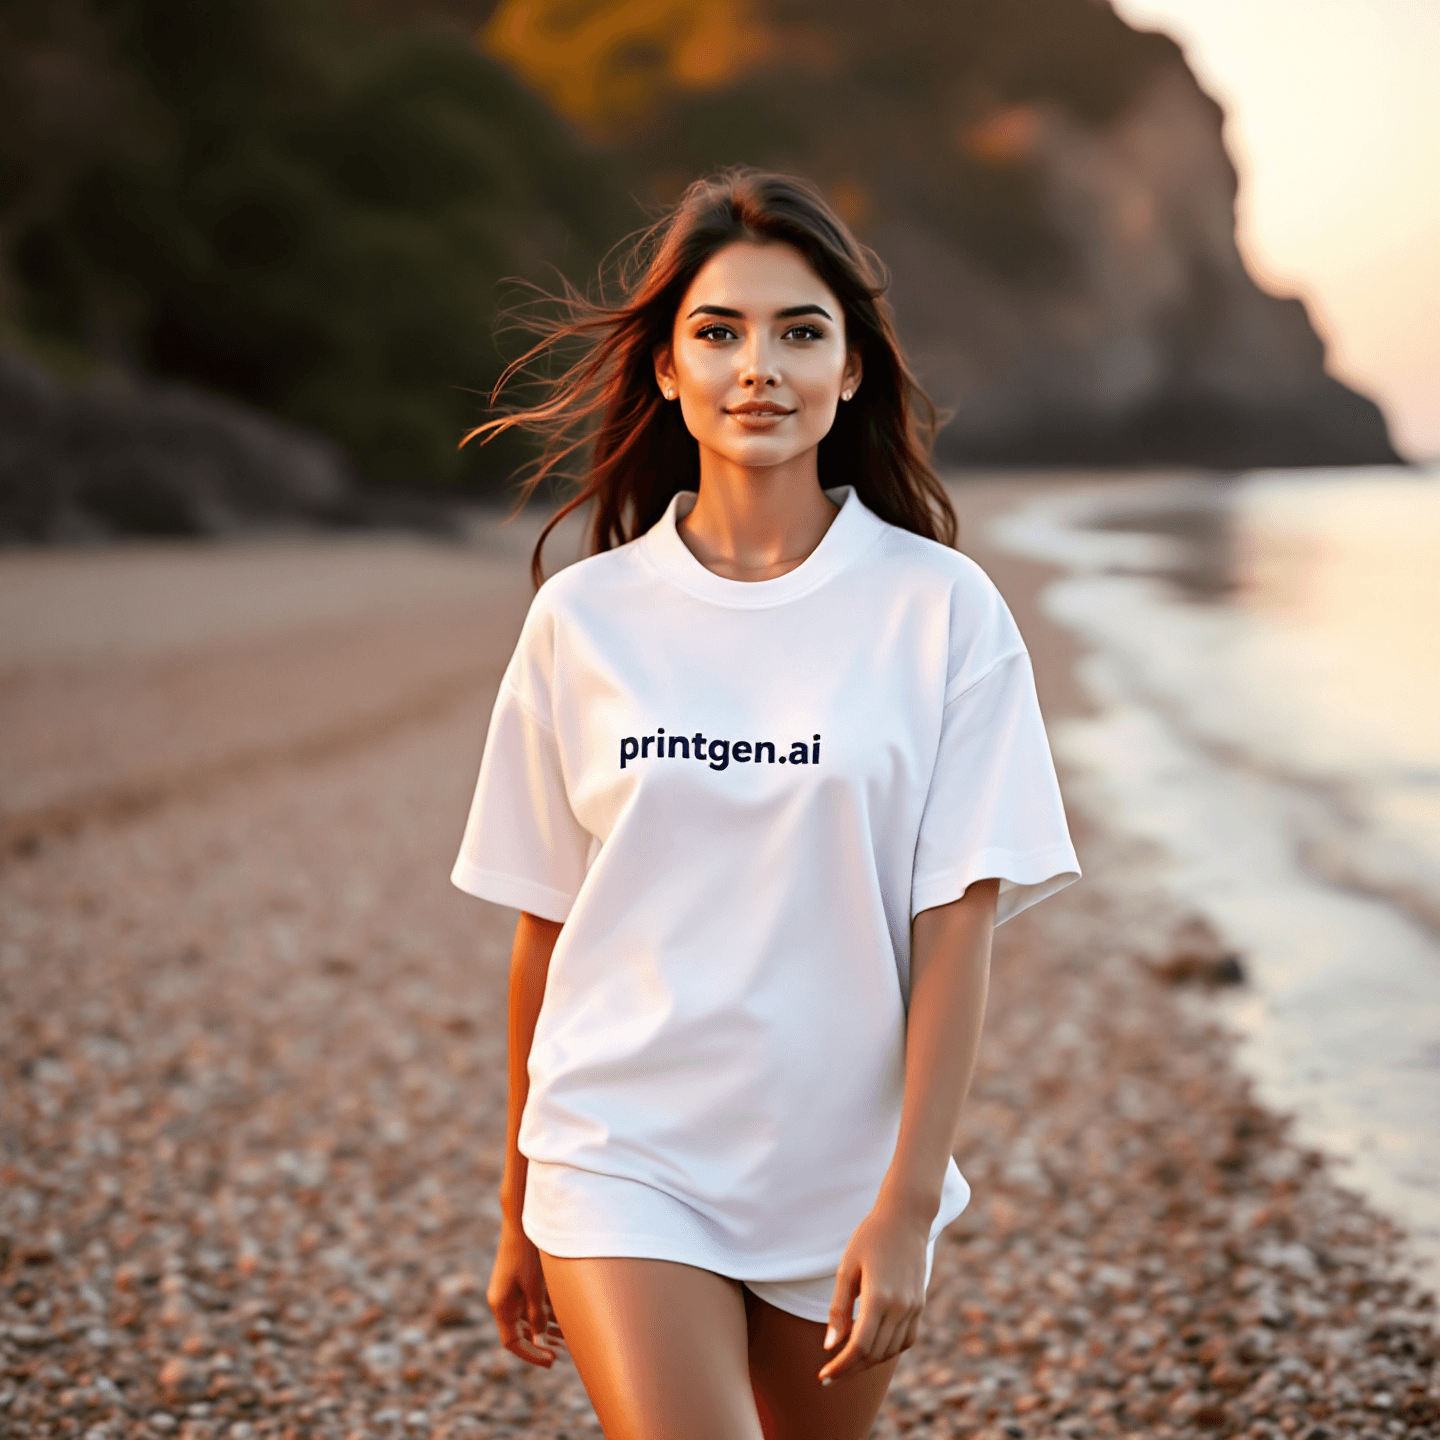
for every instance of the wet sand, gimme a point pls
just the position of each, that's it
(252, 1044)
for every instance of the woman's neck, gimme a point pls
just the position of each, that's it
(756, 524)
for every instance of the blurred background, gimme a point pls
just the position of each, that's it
(273, 238)
(1169, 266)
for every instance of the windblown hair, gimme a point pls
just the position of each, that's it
(607, 398)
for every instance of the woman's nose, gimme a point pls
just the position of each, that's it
(756, 366)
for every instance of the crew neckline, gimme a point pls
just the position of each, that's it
(850, 533)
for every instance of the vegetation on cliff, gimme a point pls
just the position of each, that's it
(276, 200)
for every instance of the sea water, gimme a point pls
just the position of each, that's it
(1264, 657)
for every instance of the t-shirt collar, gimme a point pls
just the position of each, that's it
(851, 532)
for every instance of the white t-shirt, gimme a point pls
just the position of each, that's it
(737, 795)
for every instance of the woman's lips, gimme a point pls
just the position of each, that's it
(759, 412)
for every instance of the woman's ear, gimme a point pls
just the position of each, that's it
(854, 372)
(665, 371)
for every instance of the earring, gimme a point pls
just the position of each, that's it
(846, 394)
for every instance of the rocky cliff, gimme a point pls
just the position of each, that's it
(1048, 186)
(91, 461)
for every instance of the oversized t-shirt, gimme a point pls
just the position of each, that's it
(737, 795)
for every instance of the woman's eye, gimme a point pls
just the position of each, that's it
(715, 332)
(805, 332)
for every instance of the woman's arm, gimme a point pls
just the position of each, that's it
(529, 967)
(517, 1284)
(949, 980)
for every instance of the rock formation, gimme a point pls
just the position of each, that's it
(94, 461)
(1048, 186)
(1154, 344)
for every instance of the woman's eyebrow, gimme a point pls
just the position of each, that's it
(788, 313)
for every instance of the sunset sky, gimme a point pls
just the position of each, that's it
(1334, 125)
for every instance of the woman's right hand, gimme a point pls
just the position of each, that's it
(519, 1300)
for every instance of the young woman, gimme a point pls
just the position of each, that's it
(762, 774)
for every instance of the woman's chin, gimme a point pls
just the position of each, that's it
(757, 452)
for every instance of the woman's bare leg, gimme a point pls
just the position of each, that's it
(661, 1347)
(786, 1353)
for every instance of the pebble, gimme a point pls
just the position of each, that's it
(276, 1174)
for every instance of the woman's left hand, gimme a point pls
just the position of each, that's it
(884, 1265)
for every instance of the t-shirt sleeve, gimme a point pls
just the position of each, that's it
(523, 846)
(994, 806)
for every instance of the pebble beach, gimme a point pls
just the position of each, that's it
(252, 1045)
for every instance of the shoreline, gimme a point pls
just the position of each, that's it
(1224, 737)
(255, 1043)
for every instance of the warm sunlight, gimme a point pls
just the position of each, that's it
(1332, 123)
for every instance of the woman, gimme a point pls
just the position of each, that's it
(762, 774)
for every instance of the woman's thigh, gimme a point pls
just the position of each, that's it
(661, 1347)
(786, 1353)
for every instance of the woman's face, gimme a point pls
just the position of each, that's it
(757, 358)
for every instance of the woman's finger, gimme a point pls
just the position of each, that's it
(543, 1323)
(842, 1306)
(892, 1342)
(535, 1309)
(858, 1346)
(536, 1339)
(531, 1353)
(534, 1302)
(552, 1321)
(509, 1321)
(527, 1347)
(887, 1333)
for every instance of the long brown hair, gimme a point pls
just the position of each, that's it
(641, 454)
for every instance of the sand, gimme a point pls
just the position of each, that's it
(252, 1111)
